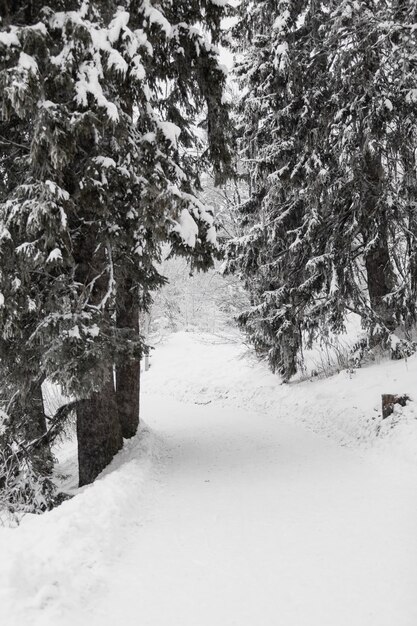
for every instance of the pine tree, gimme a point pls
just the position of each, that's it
(281, 218)
(103, 102)
(329, 137)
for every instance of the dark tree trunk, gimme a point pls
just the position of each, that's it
(98, 432)
(128, 386)
(380, 275)
(128, 373)
(388, 402)
(380, 281)
(36, 428)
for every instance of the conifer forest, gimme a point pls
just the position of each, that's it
(208, 312)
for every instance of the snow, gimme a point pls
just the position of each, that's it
(142, 40)
(28, 63)
(9, 39)
(54, 256)
(411, 96)
(3, 418)
(221, 3)
(156, 17)
(226, 98)
(102, 40)
(52, 562)
(211, 236)
(200, 211)
(73, 332)
(281, 21)
(31, 305)
(58, 191)
(170, 131)
(105, 162)
(117, 62)
(61, 59)
(24, 248)
(149, 137)
(187, 228)
(88, 82)
(345, 407)
(93, 330)
(388, 104)
(39, 27)
(118, 24)
(4, 233)
(47, 104)
(138, 71)
(239, 506)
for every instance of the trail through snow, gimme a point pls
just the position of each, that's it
(255, 520)
(262, 522)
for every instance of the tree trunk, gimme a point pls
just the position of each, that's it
(35, 428)
(388, 402)
(380, 282)
(380, 275)
(128, 372)
(128, 387)
(98, 432)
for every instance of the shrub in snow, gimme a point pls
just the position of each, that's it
(22, 489)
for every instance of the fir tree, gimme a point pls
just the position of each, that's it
(103, 102)
(328, 129)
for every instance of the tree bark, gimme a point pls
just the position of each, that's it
(98, 432)
(388, 402)
(380, 281)
(380, 275)
(128, 389)
(35, 427)
(128, 372)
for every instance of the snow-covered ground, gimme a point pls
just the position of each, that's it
(243, 502)
(345, 407)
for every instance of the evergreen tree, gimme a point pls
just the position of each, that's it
(329, 135)
(101, 103)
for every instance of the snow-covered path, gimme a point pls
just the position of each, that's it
(247, 517)
(262, 522)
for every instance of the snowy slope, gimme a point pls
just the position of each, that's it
(57, 560)
(263, 522)
(346, 406)
(229, 511)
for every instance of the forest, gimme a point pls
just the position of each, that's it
(239, 170)
(109, 119)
